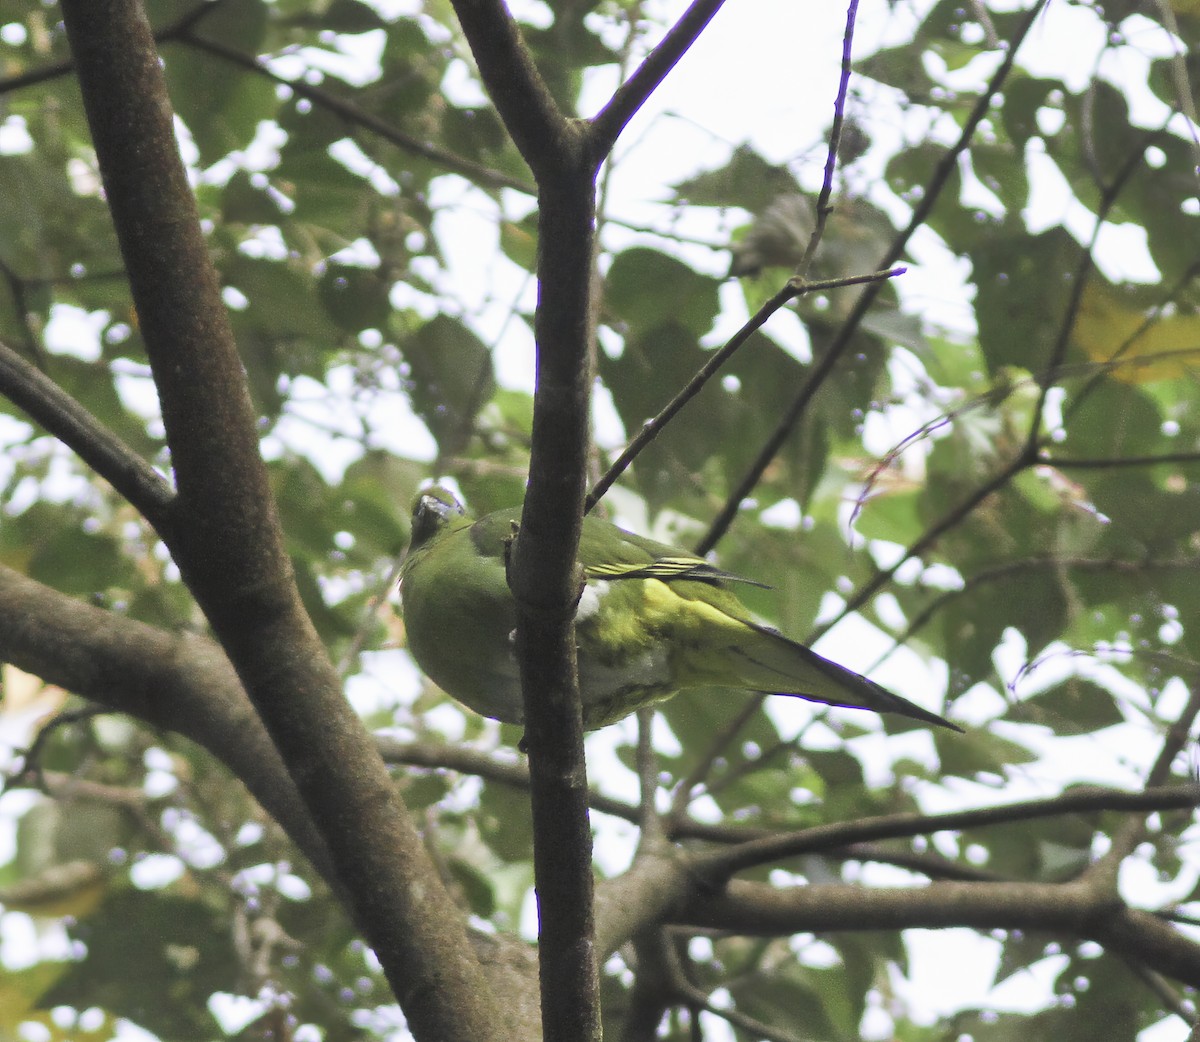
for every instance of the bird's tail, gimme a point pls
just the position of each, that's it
(773, 664)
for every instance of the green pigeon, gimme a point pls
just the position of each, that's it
(651, 620)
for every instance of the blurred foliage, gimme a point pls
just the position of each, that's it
(374, 370)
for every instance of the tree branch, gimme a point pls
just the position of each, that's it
(543, 573)
(1105, 871)
(823, 209)
(1069, 908)
(61, 415)
(652, 428)
(607, 124)
(186, 22)
(1013, 568)
(821, 370)
(479, 174)
(516, 775)
(184, 31)
(1114, 463)
(181, 683)
(541, 133)
(929, 538)
(1085, 799)
(224, 534)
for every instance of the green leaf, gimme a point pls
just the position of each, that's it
(1076, 706)
(646, 289)
(978, 753)
(76, 561)
(222, 111)
(449, 377)
(351, 16)
(153, 958)
(356, 298)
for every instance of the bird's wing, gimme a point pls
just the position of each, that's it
(717, 641)
(666, 569)
(607, 552)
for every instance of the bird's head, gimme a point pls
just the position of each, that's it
(434, 509)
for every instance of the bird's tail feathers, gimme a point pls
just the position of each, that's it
(777, 665)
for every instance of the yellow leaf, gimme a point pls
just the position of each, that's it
(1137, 345)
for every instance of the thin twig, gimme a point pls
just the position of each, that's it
(653, 427)
(647, 769)
(482, 175)
(823, 208)
(1184, 95)
(1086, 799)
(368, 616)
(608, 123)
(1113, 463)
(930, 537)
(937, 182)
(1031, 453)
(1162, 990)
(1125, 839)
(187, 21)
(31, 758)
(692, 996)
(1108, 198)
(16, 286)
(1117, 360)
(678, 826)
(1011, 568)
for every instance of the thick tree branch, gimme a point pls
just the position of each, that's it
(1071, 908)
(660, 884)
(650, 892)
(181, 683)
(606, 125)
(546, 584)
(543, 573)
(541, 132)
(225, 536)
(61, 415)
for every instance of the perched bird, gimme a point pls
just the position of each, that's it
(651, 619)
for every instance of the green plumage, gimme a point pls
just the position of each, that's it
(652, 619)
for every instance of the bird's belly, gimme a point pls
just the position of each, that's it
(608, 690)
(648, 670)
